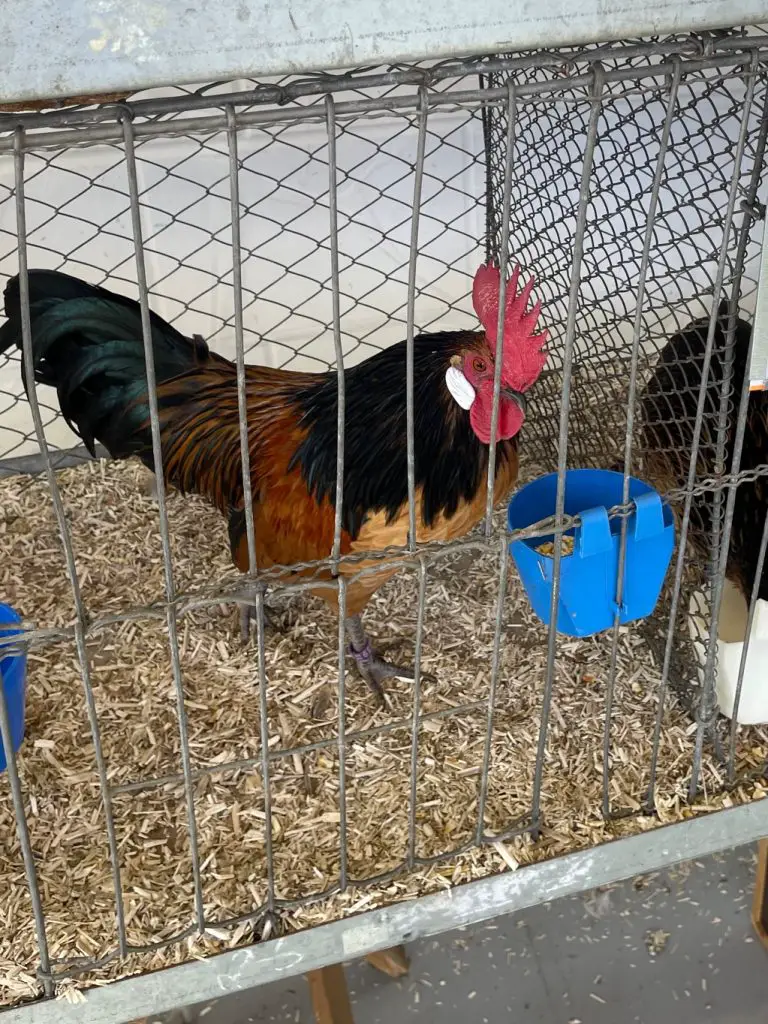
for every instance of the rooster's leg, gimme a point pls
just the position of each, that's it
(248, 616)
(689, 698)
(373, 668)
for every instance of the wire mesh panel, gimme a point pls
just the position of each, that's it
(179, 791)
(672, 210)
(79, 221)
(690, 200)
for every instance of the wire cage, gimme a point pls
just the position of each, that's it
(179, 794)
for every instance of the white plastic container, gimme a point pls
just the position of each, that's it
(732, 630)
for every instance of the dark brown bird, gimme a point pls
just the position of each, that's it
(668, 410)
(87, 344)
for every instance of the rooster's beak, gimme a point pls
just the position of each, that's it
(515, 396)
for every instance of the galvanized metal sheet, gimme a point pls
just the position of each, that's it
(49, 49)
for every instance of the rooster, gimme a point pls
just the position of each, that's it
(668, 410)
(87, 343)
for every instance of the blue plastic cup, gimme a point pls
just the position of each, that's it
(13, 677)
(589, 576)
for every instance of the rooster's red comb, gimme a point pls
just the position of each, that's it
(524, 354)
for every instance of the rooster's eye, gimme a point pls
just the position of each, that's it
(478, 366)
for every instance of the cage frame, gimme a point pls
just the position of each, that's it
(476, 901)
(112, 49)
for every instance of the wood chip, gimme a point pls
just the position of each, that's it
(117, 548)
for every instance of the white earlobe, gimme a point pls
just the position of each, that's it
(460, 388)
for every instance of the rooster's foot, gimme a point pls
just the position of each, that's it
(715, 736)
(372, 667)
(249, 616)
(375, 670)
(689, 698)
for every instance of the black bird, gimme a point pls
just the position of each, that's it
(668, 411)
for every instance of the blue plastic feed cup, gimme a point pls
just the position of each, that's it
(589, 574)
(13, 674)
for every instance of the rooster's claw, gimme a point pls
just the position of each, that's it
(375, 670)
(248, 615)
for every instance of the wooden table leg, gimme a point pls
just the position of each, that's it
(330, 999)
(393, 962)
(760, 897)
(328, 986)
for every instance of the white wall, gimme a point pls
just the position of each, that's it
(79, 221)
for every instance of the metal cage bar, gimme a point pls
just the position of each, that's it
(338, 351)
(629, 436)
(202, 125)
(237, 283)
(597, 86)
(480, 835)
(511, 113)
(416, 723)
(709, 700)
(157, 461)
(342, 743)
(418, 178)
